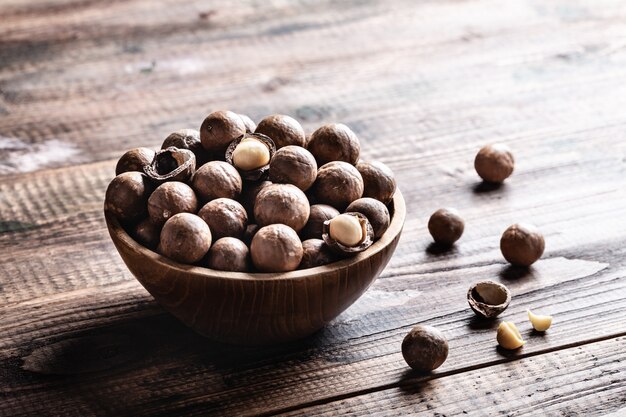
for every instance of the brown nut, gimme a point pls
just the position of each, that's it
(147, 233)
(319, 213)
(251, 155)
(293, 165)
(522, 244)
(316, 253)
(185, 238)
(229, 254)
(488, 298)
(127, 195)
(248, 123)
(338, 184)
(171, 164)
(225, 217)
(425, 348)
(171, 198)
(375, 211)
(276, 248)
(334, 142)
(446, 226)
(282, 203)
(134, 160)
(219, 129)
(348, 233)
(187, 139)
(494, 163)
(216, 179)
(249, 233)
(378, 180)
(283, 130)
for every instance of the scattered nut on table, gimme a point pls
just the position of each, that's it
(508, 336)
(446, 226)
(522, 244)
(488, 298)
(540, 323)
(425, 348)
(494, 163)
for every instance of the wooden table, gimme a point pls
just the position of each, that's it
(424, 84)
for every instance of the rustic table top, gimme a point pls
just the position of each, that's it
(424, 84)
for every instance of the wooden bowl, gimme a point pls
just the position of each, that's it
(256, 308)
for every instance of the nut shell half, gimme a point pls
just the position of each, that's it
(488, 298)
(338, 247)
(171, 164)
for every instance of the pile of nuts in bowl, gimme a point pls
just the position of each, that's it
(235, 196)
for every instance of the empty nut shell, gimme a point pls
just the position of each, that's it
(171, 164)
(375, 211)
(187, 139)
(219, 129)
(378, 180)
(334, 142)
(494, 163)
(345, 231)
(134, 160)
(488, 298)
(283, 130)
(216, 179)
(253, 162)
(522, 244)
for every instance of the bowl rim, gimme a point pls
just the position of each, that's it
(120, 236)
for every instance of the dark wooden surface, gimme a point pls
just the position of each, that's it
(424, 84)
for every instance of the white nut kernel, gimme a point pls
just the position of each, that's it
(508, 336)
(251, 154)
(346, 229)
(539, 322)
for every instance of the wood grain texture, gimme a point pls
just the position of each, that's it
(424, 85)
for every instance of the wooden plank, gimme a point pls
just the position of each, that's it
(594, 385)
(95, 80)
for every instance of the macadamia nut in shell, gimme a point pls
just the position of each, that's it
(276, 248)
(338, 184)
(522, 244)
(185, 238)
(282, 203)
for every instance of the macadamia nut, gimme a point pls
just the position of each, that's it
(539, 322)
(346, 229)
(494, 163)
(251, 154)
(508, 336)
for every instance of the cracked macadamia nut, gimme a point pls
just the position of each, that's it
(375, 211)
(229, 254)
(508, 336)
(522, 244)
(171, 164)
(248, 123)
(334, 142)
(488, 298)
(378, 180)
(446, 226)
(425, 348)
(225, 217)
(494, 163)
(316, 253)
(314, 227)
(147, 233)
(219, 129)
(338, 184)
(171, 198)
(216, 179)
(348, 233)
(282, 203)
(540, 323)
(188, 139)
(185, 238)
(283, 130)
(293, 165)
(276, 248)
(127, 196)
(134, 160)
(251, 155)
